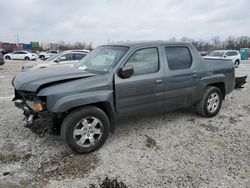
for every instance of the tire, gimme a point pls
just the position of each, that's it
(208, 105)
(26, 58)
(236, 64)
(42, 57)
(79, 138)
(7, 57)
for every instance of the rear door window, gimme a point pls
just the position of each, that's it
(235, 52)
(229, 53)
(179, 57)
(78, 56)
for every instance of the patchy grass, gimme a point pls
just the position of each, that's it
(109, 183)
(150, 142)
(210, 127)
(65, 166)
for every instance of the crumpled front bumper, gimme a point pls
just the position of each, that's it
(38, 122)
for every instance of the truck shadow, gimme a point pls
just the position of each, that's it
(141, 123)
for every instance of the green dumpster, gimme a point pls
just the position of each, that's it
(244, 53)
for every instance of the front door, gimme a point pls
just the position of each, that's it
(143, 92)
(15, 55)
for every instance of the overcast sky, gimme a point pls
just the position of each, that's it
(121, 20)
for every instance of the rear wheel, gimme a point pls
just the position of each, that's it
(236, 63)
(86, 129)
(210, 103)
(42, 57)
(27, 58)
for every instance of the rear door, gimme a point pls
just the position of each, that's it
(230, 55)
(22, 55)
(182, 77)
(143, 92)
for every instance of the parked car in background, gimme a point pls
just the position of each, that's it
(47, 54)
(66, 58)
(3, 51)
(21, 55)
(234, 55)
(78, 50)
(115, 81)
(1, 59)
(203, 53)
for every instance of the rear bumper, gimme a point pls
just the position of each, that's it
(240, 81)
(40, 122)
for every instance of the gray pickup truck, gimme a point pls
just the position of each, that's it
(83, 103)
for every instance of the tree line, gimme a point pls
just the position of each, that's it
(230, 43)
(77, 45)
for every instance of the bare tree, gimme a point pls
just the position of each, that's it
(234, 43)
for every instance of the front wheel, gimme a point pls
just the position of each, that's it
(85, 129)
(26, 58)
(236, 63)
(211, 102)
(7, 57)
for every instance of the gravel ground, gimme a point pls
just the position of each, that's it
(177, 149)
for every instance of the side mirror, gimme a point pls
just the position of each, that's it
(126, 71)
(225, 56)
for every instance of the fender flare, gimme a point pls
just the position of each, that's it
(98, 99)
(72, 101)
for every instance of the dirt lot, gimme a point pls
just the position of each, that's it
(177, 149)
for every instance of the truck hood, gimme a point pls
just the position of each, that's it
(34, 79)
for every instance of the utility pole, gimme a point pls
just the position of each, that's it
(17, 40)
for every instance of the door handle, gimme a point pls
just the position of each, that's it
(195, 75)
(158, 81)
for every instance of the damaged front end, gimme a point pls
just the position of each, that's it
(36, 117)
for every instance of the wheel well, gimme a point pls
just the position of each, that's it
(105, 107)
(221, 86)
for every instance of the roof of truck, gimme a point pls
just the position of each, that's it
(147, 43)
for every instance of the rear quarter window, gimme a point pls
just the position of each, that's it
(179, 57)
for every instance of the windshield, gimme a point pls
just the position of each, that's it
(54, 56)
(216, 54)
(102, 58)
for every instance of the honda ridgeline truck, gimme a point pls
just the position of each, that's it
(115, 81)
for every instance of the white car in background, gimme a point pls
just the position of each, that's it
(66, 58)
(21, 55)
(47, 54)
(234, 55)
